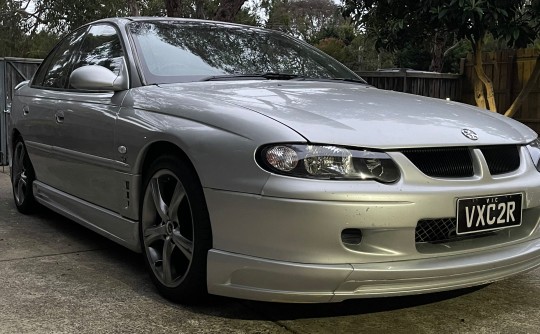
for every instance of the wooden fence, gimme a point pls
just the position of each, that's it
(439, 85)
(12, 71)
(510, 70)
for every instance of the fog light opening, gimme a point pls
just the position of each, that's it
(351, 236)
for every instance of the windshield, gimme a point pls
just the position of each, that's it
(183, 51)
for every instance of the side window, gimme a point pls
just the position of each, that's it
(42, 70)
(101, 46)
(55, 69)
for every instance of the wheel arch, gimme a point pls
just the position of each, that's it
(14, 135)
(158, 149)
(12, 139)
(151, 153)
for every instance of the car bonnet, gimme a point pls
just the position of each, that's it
(363, 116)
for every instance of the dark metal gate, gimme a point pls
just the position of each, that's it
(12, 71)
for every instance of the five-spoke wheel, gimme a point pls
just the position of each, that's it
(175, 229)
(22, 176)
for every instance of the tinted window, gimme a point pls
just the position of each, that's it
(54, 72)
(42, 70)
(186, 51)
(101, 46)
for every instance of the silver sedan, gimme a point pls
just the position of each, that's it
(242, 162)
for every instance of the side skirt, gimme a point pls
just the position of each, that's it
(102, 221)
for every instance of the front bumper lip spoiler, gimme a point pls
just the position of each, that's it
(242, 276)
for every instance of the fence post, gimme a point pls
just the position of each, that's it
(462, 62)
(3, 114)
(404, 74)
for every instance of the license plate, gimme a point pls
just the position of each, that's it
(480, 214)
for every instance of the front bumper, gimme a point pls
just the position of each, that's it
(241, 276)
(286, 243)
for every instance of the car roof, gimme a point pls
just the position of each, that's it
(127, 19)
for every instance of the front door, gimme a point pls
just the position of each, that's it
(87, 122)
(76, 152)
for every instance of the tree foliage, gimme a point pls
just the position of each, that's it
(397, 23)
(304, 19)
(14, 28)
(29, 28)
(60, 16)
(220, 10)
(318, 22)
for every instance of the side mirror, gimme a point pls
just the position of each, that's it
(99, 78)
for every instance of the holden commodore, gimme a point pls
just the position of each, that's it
(243, 162)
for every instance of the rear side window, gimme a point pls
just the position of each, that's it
(56, 68)
(102, 47)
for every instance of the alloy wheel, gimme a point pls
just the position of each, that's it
(167, 228)
(20, 173)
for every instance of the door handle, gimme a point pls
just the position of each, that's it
(25, 110)
(59, 116)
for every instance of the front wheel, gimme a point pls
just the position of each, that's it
(175, 230)
(22, 177)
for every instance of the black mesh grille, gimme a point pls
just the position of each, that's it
(501, 159)
(453, 162)
(442, 162)
(441, 230)
(435, 230)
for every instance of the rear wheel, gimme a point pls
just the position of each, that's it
(22, 177)
(175, 230)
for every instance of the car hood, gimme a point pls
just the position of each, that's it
(361, 115)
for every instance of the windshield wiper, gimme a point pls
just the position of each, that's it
(277, 76)
(360, 81)
(267, 76)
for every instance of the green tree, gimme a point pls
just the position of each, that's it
(318, 22)
(220, 10)
(61, 16)
(305, 19)
(14, 28)
(341, 42)
(397, 22)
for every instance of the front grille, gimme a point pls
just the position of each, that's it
(441, 230)
(501, 159)
(435, 230)
(455, 162)
(442, 162)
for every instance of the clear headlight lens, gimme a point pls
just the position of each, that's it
(282, 157)
(328, 162)
(534, 150)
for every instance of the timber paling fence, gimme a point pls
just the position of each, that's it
(12, 71)
(438, 85)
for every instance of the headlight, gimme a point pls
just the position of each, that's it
(327, 162)
(534, 150)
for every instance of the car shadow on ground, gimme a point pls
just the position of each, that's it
(281, 311)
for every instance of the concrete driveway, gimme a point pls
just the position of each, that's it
(57, 277)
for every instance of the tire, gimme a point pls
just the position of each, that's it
(175, 230)
(22, 178)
